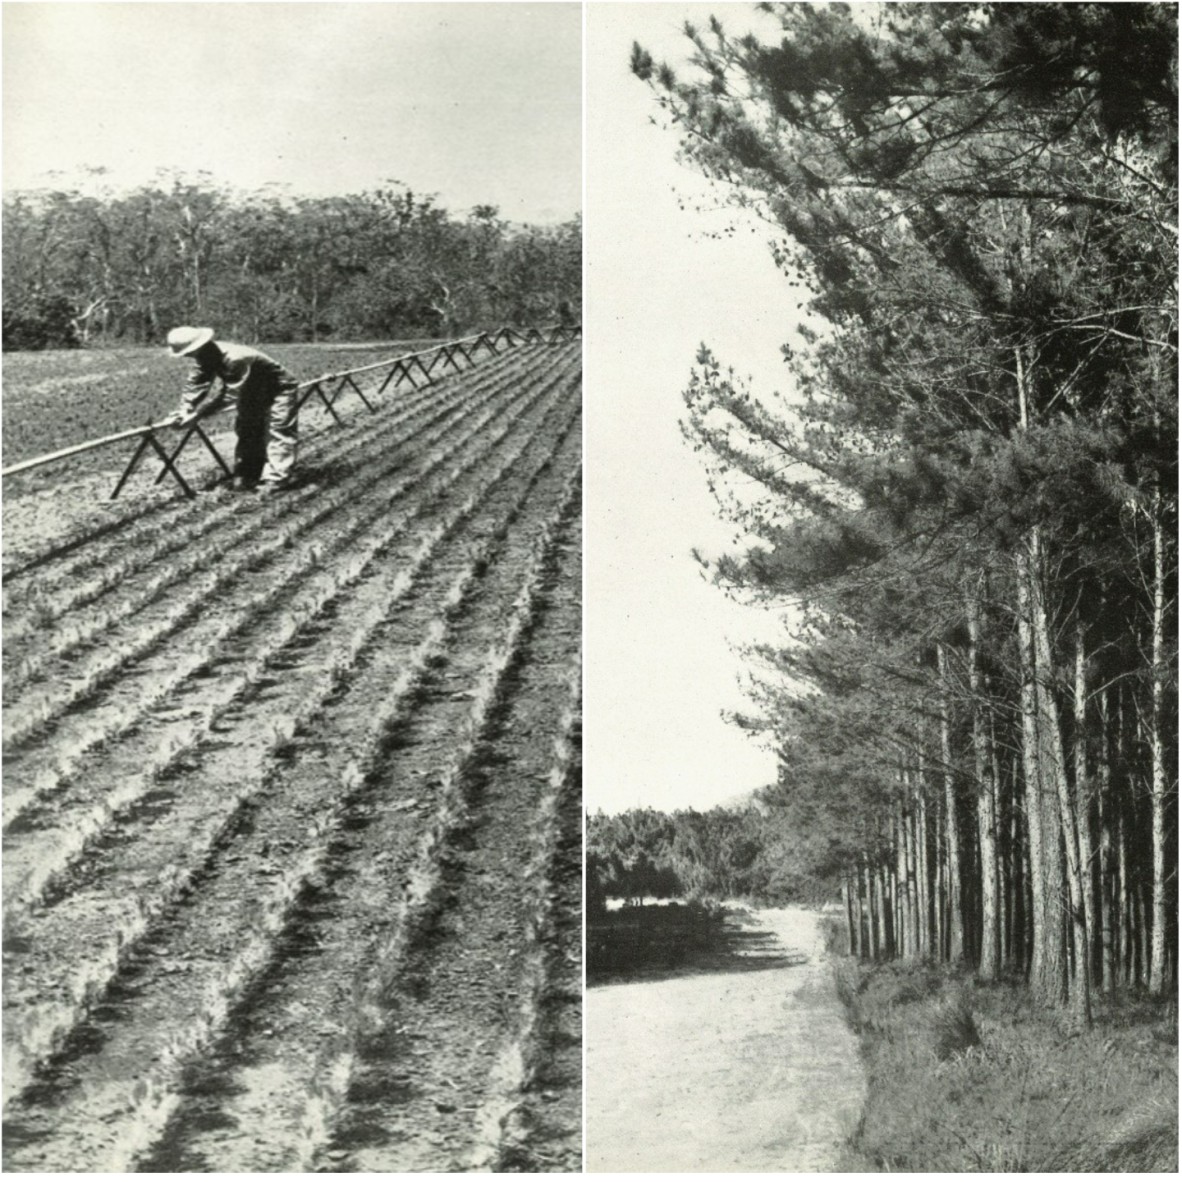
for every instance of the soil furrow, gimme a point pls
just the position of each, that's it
(151, 680)
(507, 1130)
(32, 857)
(270, 534)
(108, 1119)
(542, 1131)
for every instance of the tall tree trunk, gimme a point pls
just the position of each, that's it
(990, 962)
(906, 896)
(1025, 932)
(1109, 921)
(872, 949)
(1124, 900)
(882, 885)
(1143, 898)
(847, 892)
(1083, 806)
(1157, 955)
(1005, 814)
(1055, 769)
(922, 877)
(896, 895)
(913, 919)
(941, 888)
(951, 836)
(1047, 967)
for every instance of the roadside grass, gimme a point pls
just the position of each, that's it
(964, 1076)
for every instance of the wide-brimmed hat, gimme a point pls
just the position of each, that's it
(184, 340)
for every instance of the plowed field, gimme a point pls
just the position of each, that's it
(291, 805)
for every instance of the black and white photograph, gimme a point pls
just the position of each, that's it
(881, 617)
(777, 774)
(292, 558)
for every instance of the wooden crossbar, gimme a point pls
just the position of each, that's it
(357, 389)
(77, 449)
(194, 428)
(149, 440)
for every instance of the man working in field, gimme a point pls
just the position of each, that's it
(264, 394)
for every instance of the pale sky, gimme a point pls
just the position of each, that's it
(477, 102)
(659, 668)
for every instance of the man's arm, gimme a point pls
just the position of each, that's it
(196, 398)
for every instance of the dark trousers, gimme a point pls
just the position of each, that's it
(250, 454)
(268, 434)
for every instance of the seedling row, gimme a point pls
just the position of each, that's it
(237, 846)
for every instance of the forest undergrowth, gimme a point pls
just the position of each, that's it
(964, 1076)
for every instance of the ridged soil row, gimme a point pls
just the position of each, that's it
(530, 1119)
(66, 563)
(153, 852)
(532, 1123)
(130, 562)
(120, 773)
(157, 664)
(447, 1027)
(155, 600)
(177, 992)
(270, 1095)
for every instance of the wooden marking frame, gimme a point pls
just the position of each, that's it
(409, 367)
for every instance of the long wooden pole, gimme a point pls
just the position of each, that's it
(79, 448)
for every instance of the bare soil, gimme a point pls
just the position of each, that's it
(292, 803)
(739, 1062)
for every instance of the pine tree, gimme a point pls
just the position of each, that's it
(971, 498)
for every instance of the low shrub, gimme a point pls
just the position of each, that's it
(640, 941)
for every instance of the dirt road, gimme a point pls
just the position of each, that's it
(751, 1069)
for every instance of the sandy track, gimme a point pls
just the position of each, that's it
(737, 1071)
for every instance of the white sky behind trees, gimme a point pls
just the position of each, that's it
(479, 103)
(659, 666)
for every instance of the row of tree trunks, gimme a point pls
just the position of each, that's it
(1046, 899)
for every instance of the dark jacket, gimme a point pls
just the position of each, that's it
(244, 373)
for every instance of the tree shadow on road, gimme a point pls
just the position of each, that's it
(659, 942)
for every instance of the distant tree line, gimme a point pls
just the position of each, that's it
(266, 267)
(722, 853)
(970, 501)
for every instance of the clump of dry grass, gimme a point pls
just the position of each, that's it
(965, 1077)
(954, 1029)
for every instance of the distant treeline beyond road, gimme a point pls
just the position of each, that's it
(720, 854)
